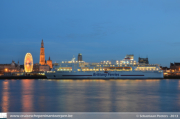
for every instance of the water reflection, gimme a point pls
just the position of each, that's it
(109, 95)
(27, 95)
(5, 96)
(178, 94)
(41, 99)
(75, 96)
(95, 95)
(105, 97)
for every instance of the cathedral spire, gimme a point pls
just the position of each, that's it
(42, 44)
(42, 54)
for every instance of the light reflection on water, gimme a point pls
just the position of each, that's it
(30, 95)
(5, 97)
(27, 95)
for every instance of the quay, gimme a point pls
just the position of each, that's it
(24, 77)
(44, 77)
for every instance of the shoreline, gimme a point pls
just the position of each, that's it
(23, 77)
(44, 77)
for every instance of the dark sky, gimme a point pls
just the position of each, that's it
(99, 29)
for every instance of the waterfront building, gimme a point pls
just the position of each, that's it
(42, 54)
(36, 67)
(49, 62)
(40, 68)
(175, 66)
(166, 70)
(174, 69)
(44, 68)
(143, 60)
(13, 67)
(80, 57)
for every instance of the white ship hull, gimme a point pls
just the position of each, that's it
(106, 75)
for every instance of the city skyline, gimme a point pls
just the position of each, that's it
(100, 30)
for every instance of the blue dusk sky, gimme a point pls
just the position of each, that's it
(99, 29)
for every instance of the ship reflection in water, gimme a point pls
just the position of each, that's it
(29, 95)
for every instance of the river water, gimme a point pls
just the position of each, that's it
(44, 95)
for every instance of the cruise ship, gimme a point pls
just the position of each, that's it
(127, 68)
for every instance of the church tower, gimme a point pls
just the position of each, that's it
(49, 62)
(42, 54)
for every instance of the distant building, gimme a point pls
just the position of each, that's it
(42, 54)
(166, 71)
(49, 62)
(40, 68)
(22, 68)
(36, 67)
(44, 68)
(43, 65)
(13, 67)
(143, 60)
(80, 57)
(174, 69)
(175, 66)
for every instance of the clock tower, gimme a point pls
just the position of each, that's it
(42, 54)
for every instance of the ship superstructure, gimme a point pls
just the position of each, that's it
(126, 68)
